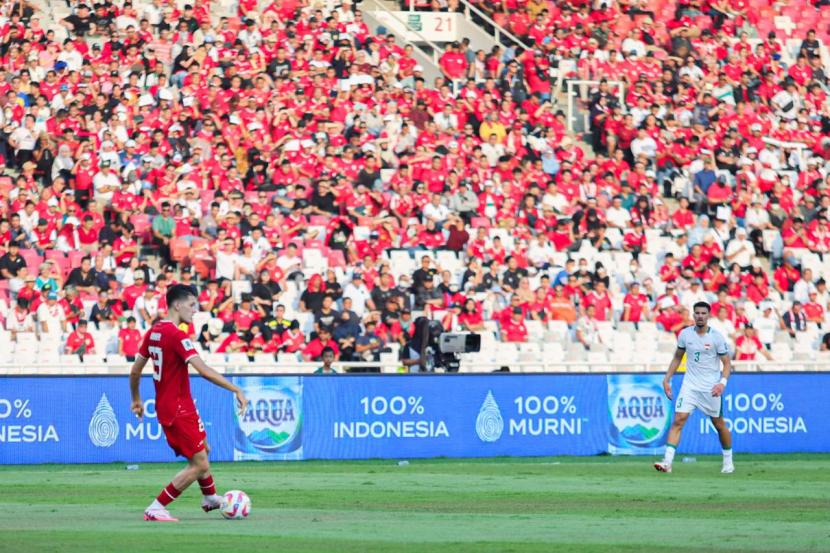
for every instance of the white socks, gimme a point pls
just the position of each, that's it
(156, 506)
(727, 456)
(668, 457)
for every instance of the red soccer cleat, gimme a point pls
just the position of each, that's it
(159, 515)
(211, 502)
(662, 466)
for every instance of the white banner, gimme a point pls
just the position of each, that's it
(417, 26)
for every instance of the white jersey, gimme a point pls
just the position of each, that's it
(703, 353)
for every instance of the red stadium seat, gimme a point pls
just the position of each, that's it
(203, 266)
(75, 257)
(336, 259)
(33, 260)
(143, 227)
(179, 249)
(480, 222)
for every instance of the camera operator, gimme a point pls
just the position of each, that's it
(415, 355)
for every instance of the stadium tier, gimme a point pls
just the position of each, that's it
(568, 192)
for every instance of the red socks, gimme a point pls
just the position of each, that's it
(207, 485)
(168, 494)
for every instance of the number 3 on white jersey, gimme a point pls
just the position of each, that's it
(155, 354)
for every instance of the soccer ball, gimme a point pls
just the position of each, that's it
(237, 505)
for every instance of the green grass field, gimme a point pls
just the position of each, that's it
(602, 504)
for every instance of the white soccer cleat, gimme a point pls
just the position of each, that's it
(212, 502)
(728, 468)
(159, 515)
(662, 466)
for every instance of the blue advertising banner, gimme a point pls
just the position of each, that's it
(454, 416)
(766, 413)
(88, 420)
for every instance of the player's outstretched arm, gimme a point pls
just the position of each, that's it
(214, 377)
(137, 406)
(675, 363)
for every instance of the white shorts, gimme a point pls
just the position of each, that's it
(689, 400)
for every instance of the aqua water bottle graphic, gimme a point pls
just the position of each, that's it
(639, 413)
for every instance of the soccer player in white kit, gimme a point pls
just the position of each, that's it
(703, 385)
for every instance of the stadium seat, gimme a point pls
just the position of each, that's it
(75, 258)
(266, 359)
(314, 260)
(143, 227)
(179, 249)
(239, 287)
(33, 260)
(480, 222)
(336, 259)
(535, 330)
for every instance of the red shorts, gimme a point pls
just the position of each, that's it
(186, 435)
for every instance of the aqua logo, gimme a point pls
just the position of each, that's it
(103, 426)
(643, 408)
(489, 423)
(275, 410)
(639, 411)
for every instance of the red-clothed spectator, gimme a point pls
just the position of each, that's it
(601, 300)
(748, 346)
(314, 349)
(635, 305)
(129, 340)
(670, 316)
(132, 292)
(514, 329)
(80, 341)
(232, 343)
(813, 310)
(785, 276)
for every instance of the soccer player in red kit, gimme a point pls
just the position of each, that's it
(171, 351)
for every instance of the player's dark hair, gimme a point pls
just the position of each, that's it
(701, 304)
(179, 292)
(326, 350)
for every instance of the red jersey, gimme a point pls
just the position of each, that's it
(746, 347)
(602, 304)
(78, 339)
(170, 349)
(130, 339)
(636, 306)
(514, 331)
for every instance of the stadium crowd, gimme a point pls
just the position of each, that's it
(293, 164)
